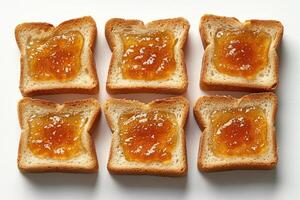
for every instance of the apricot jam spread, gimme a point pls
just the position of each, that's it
(56, 58)
(239, 132)
(56, 136)
(148, 56)
(148, 136)
(241, 53)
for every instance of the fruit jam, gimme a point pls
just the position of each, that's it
(148, 136)
(148, 56)
(56, 136)
(241, 53)
(57, 58)
(239, 132)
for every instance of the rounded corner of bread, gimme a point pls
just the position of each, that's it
(183, 171)
(90, 19)
(197, 107)
(205, 18)
(113, 21)
(24, 91)
(272, 164)
(204, 85)
(18, 30)
(105, 104)
(94, 89)
(112, 90)
(183, 21)
(186, 22)
(202, 167)
(184, 101)
(20, 165)
(23, 101)
(94, 167)
(183, 87)
(94, 101)
(273, 87)
(113, 169)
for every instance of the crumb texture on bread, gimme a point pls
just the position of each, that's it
(264, 80)
(175, 83)
(86, 81)
(118, 164)
(86, 161)
(203, 110)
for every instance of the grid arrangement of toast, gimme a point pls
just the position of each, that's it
(148, 138)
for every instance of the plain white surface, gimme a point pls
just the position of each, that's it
(282, 183)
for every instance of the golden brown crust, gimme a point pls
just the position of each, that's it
(46, 27)
(158, 90)
(159, 103)
(60, 167)
(145, 171)
(209, 85)
(238, 166)
(234, 87)
(73, 90)
(118, 22)
(231, 101)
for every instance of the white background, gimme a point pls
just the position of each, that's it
(281, 183)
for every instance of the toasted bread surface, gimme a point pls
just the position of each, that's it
(86, 81)
(265, 80)
(85, 162)
(118, 164)
(203, 110)
(176, 83)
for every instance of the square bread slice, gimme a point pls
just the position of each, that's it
(203, 111)
(37, 146)
(119, 164)
(85, 80)
(176, 82)
(266, 79)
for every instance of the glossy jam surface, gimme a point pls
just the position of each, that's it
(55, 58)
(148, 136)
(148, 56)
(239, 132)
(241, 53)
(56, 136)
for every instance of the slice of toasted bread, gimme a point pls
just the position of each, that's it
(85, 81)
(174, 83)
(203, 110)
(118, 164)
(265, 80)
(84, 161)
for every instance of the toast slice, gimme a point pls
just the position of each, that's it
(251, 65)
(58, 59)
(209, 157)
(121, 162)
(158, 66)
(57, 137)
